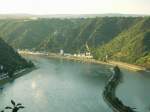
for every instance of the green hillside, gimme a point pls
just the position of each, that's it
(11, 61)
(41, 34)
(121, 38)
(131, 45)
(68, 34)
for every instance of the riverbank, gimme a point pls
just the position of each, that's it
(89, 60)
(109, 93)
(17, 75)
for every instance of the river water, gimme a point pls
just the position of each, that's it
(65, 86)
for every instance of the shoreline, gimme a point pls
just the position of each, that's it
(109, 93)
(7, 80)
(93, 61)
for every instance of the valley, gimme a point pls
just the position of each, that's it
(124, 39)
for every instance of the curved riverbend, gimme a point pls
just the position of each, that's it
(58, 86)
(109, 93)
(67, 86)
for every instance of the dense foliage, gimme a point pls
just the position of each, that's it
(55, 34)
(11, 61)
(121, 38)
(131, 45)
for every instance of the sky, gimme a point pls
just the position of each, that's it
(74, 6)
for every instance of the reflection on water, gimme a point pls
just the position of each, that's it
(59, 86)
(33, 85)
(135, 90)
(65, 86)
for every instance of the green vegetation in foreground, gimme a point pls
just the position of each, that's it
(15, 107)
(121, 38)
(11, 61)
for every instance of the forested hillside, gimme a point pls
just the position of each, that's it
(68, 34)
(121, 38)
(131, 45)
(11, 61)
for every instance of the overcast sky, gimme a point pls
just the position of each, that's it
(75, 6)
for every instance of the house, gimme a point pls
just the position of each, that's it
(67, 54)
(61, 52)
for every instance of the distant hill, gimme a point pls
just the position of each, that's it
(49, 16)
(121, 38)
(15, 16)
(11, 61)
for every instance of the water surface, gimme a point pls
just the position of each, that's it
(66, 86)
(134, 90)
(59, 86)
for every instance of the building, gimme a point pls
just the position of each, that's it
(61, 52)
(87, 54)
(67, 54)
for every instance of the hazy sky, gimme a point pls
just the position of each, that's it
(75, 6)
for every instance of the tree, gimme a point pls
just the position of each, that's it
(15, 108)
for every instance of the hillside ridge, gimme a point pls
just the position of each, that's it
(121, 38)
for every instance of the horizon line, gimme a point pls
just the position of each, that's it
(73, 14)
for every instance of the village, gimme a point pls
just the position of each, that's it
(60, 53)
(84, 54)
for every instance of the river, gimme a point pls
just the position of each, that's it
(65, 86)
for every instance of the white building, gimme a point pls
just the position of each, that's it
(67, 54)
(61, 52)
(1, 67)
